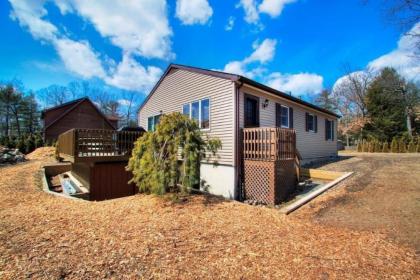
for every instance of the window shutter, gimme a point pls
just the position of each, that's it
(326, 129)
(316, 123)
(290, 117)
(332, 130)
(306, 121)
(278, 115)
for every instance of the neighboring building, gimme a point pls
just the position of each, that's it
(79, 113)
(225, 103)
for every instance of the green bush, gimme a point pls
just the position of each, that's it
(371, 147)
(394, 145)
(39, 142)
(378, 147)
(169, 158)
(412, 147)
(359, 146)
(29, 144)
(402, 148)
(365, 146)
(20, 144)
(385, 147)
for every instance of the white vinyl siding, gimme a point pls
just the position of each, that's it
(182, 87)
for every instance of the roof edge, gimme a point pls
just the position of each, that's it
(234, 78)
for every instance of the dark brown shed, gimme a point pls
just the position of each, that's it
(79, 113)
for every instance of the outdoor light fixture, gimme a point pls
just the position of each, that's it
(265, 104)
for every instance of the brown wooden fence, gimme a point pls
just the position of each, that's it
(97, 144)
(269, 143)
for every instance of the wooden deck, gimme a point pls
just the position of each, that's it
(96, 145)
(269, 143)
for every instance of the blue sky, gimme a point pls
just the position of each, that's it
(293, 45)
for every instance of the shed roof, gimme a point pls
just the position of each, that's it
(71, 106)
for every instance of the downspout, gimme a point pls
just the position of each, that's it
(238, 163)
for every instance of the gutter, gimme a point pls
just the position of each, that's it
(238, 166)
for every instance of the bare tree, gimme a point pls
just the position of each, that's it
(129, 100)
(404, 14)
(54, 95)
(350, 97)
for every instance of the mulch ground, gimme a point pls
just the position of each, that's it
(383, 196)
(202, 237)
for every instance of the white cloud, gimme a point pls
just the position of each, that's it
(297, 84)
(262, 54)
(139, 27)
(131, 75)
(124, 102)
(29, 14)
(193, 11)
(250, 9)
(273, 7)
(254, 8)
(79, 58)
(404, 58)
(230, 23)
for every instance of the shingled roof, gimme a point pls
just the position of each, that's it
(240, 79)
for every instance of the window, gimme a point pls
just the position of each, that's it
(199, 111)
(252, 114)
(152, 122)
(284, 116)
(329, 130)
(186, 109)
(311, 123)
(195, 111)
(205, 116)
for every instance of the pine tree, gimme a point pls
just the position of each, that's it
(385, 102)
(155, 158)
(394, 145)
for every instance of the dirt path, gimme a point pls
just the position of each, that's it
(47, 237)
(383, 196)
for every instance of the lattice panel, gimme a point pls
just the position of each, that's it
(269, 182)
(259, 181)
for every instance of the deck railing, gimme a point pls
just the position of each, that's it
(269, 143)
(97, 144)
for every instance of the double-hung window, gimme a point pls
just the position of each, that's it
(152, 122)
(285, 116)
(198, 111)
(329, 130)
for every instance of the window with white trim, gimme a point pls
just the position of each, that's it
(199, 111)
(285, 116)
(152, 122)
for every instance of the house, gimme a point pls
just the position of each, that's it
(79, 113)
(239, 110)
